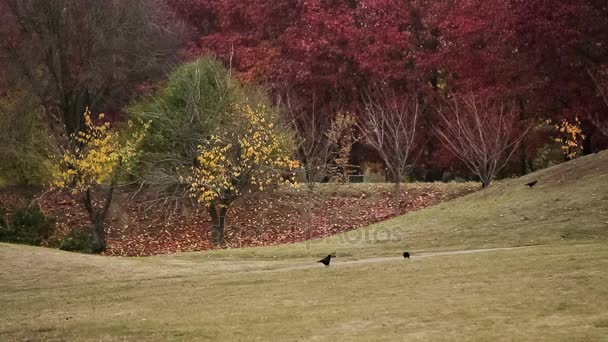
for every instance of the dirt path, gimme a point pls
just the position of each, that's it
(413, 257)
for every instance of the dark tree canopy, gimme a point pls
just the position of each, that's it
(74, 54)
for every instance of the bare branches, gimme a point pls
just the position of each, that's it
(85, 53)
(483, 134)
(601, 121)
(313, 147)
(389, 125)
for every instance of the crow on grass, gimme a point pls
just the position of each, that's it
(406, 255)
(531, 184)
(325, 261)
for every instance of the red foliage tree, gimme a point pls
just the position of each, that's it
(534, 52)
(333, 49)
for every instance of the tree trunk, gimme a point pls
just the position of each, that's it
(485, 179)
(588, 145)
(99, 236)
(73, 109)
(218, 214)
(397, 180)
(531, 167)
(523, 159)
(522, 147)
(98, 218)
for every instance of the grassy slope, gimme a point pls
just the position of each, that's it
(552, 292)
(570, 203)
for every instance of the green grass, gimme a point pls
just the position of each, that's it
(552, 290)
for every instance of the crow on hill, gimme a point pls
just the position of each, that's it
(325, 261)
(406, 255)
(531, 184)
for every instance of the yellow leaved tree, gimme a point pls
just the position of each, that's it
(93, 163)
(341, 135)
(570, 137)
(251, 154)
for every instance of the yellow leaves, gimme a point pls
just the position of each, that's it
(250, 152)
(95, 155)
(571, 137)
(249, 156)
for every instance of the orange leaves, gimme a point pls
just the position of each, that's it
(571, 137)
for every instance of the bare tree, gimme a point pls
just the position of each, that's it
(74, 54)
(314, 149)
(601, 121)
(483, 134)
(389, 125)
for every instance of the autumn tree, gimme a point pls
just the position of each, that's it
(182, 115)
(210, 140)
(249, 155)
(93, 166)
(313, 148)
(332, 49)
(74, 54)
(527, 52)
(532, 53)
(390, 124)
(482, 133)
(342, 135)
(570, 137)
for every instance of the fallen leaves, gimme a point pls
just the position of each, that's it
(267, 219)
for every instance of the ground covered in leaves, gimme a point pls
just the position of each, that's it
(268, 219)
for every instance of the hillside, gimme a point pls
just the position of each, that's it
(138, 228)
(235, 294)
(569, 203)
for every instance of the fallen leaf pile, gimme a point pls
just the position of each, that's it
(261, 220)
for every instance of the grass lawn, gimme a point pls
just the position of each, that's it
(552, 289)
(547, 293)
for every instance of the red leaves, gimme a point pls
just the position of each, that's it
(320, 47)
(329, 47)
(254, 221)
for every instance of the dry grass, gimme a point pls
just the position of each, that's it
(570, 203)
(546, 293)
(554, 291)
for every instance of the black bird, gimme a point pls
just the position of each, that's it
(531, 184)
(406, 255)
(325, 261)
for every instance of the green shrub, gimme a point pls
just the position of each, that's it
(78, 240)
(24, 140)
(3, 224)
(27, 226)
(184, 114)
